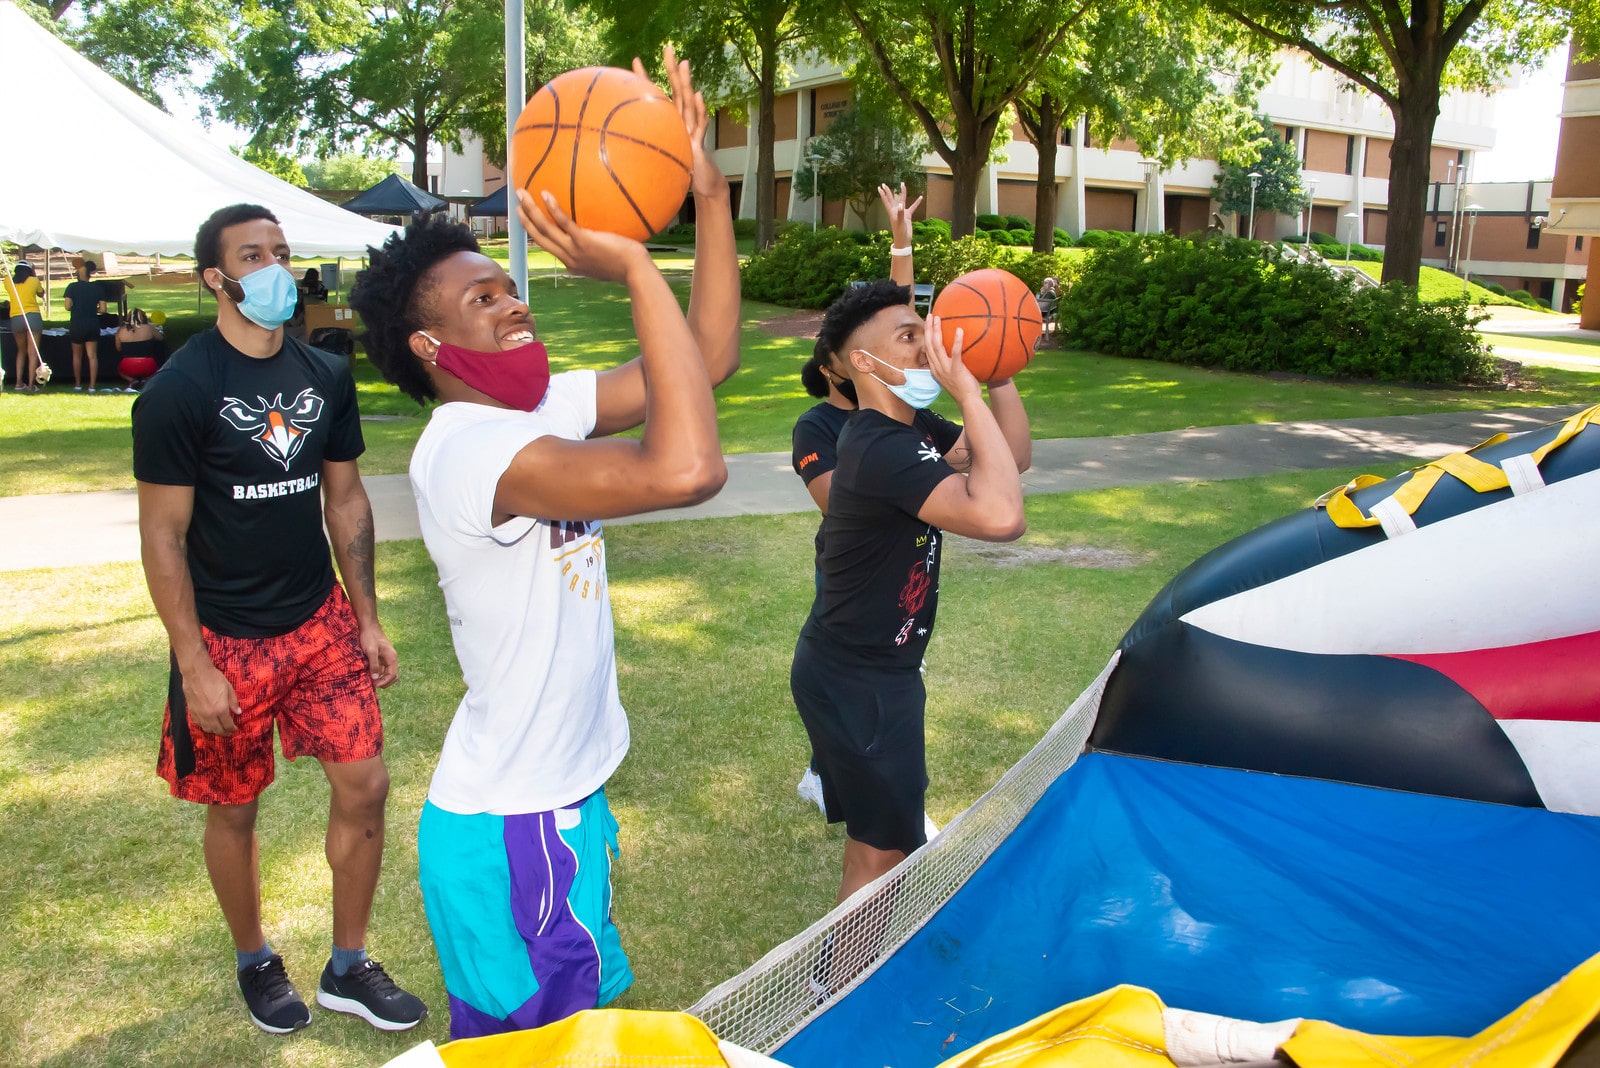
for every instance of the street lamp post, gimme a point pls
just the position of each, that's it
(1255, 176)
(1472, 228)
(1311, 209)
(1150, 166)
(816, 205)
(1350, 235)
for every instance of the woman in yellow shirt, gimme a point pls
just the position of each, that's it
(23, 292)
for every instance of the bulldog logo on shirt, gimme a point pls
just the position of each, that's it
(280, 429)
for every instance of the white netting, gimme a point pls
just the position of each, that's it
(779, 994)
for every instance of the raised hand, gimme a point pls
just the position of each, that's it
(592, 253)
(706, 179)
(900, 213)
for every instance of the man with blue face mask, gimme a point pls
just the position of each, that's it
(904, 476)
(244, 448)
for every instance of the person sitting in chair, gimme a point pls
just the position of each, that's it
(141, 348)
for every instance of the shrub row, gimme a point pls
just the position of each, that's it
(1234, 304)
(806, 269)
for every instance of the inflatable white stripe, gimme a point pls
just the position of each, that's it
(1521, 570)
(1561, 757)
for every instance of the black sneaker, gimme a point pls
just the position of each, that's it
(271, 999)
(367, 991)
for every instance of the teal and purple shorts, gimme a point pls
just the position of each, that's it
(520, 909)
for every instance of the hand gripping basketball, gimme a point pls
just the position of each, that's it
(611, 148)
(591, 253)
(1000, 316)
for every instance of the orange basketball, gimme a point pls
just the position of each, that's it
(999, 318)
(609, 146)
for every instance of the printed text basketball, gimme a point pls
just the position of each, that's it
(609, 146)
(999, 319)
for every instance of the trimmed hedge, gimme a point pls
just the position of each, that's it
(806, 270)
(1104, 239)
(809, 269)
(1234, 304)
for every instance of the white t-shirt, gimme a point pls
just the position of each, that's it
(541, 726)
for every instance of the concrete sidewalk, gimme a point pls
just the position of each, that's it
(66, 529)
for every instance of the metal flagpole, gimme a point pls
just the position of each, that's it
(516, 97)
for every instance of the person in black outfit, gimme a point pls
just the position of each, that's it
(244, 449)
(816, 433)
(903, 477)
(85, 300)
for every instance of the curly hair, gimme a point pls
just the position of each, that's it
(811, 375)
(386, 296)
(858, 304)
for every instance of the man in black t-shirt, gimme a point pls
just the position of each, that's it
(244, 445)
(901, 480)
(85, 300)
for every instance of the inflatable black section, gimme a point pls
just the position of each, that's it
(1305, 539)
(1184, 694)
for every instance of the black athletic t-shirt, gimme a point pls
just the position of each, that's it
(86, 298)
(250, 435)
(880, 563)
(816, 443)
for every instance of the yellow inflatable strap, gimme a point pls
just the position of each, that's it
(1119, 1028)
(1534, 1036)
(597, 1038)
(1123, 1028)
(1482, 477)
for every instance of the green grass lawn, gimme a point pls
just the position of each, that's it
(60, 442)
(115, 951)
(1435, 286)
(1563, 346)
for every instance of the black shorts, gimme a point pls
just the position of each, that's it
(866, 729)
(80, 334)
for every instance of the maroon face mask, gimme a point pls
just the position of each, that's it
(518, 377)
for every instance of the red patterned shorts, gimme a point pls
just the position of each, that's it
(313, 683)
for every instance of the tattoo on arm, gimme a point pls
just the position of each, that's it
(361, 553)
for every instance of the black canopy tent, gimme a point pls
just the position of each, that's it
(395, 196)
(491, 206)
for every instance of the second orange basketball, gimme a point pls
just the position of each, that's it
(999, 319)
(609, 146)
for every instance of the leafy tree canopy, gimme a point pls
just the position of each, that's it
(278, 164)
(1278, 190)
(867, 145)
(348, 170)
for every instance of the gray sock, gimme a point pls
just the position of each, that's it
(345, 959)
(250, 960)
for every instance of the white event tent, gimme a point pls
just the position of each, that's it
(133, 179)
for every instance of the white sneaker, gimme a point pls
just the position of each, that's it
(810, 789)
(930, 829)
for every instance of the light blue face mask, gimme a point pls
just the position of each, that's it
(920, 388)
(269, 296)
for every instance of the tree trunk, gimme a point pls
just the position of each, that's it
(972, 152)
(1410, 158)
(419, 155)
(1043, 124)
(766, 172)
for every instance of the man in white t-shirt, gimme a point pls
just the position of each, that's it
(512, 477)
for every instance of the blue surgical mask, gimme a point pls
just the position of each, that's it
(269, 296)
(920, 388)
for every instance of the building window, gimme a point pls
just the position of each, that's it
(1580, 244)
(1441, 234)
(1533, 237)
(1350, 154)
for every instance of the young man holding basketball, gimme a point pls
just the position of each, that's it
(244, 446)
(899, 484)
(513, 476)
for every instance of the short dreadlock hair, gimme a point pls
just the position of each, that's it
(858, 304)
(386, 296)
